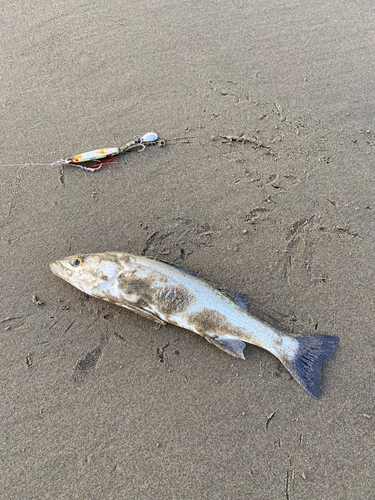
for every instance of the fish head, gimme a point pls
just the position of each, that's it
(89, 273)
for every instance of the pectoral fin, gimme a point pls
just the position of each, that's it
(231, 345)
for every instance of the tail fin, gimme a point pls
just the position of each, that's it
(306, 366)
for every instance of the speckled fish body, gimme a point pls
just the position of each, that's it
(168, 294)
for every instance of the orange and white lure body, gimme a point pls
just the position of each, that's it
(98, 154)
(93, 160)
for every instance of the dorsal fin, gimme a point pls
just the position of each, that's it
(238, 299)
(180, 268)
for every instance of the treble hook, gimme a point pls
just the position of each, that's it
(139, 142)
(148, 138)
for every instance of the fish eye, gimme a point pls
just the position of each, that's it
(77, 261)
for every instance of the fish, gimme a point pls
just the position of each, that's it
(166, 293)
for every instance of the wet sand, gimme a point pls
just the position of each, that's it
(265, 186)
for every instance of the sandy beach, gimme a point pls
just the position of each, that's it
(263, 184)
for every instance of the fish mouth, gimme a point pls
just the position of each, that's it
(60, 270)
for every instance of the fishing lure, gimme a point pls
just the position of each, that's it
(94, 160)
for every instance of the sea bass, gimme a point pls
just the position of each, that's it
(166, 293)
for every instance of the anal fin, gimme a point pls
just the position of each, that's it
(227, 343)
